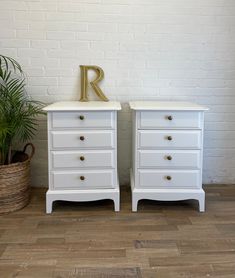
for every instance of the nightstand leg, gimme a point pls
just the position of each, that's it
(49, 204)
(134, 203)
(201, 202)
(116, 201)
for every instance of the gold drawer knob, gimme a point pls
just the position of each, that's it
(82, 178)
(82, 158)
(168, 178)
(82, 138)
(169, 157)
(81, 117)
(170, 118)
(169, 138)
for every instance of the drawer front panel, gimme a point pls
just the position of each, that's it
(83, 179)
(79, 159)
(168, 139)
(82, 119)
(168, 159)
(82, 139)
(169, 119)
(169, 179)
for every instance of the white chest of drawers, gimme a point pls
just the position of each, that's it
(167, 152)
(82, 152)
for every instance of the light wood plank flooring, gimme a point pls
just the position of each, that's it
(163, 239)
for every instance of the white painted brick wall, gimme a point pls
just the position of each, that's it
(151, 49)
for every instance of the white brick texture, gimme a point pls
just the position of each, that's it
(148, 49)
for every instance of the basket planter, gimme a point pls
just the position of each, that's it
(15, 184)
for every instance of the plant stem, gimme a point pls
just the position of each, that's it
(9, 154)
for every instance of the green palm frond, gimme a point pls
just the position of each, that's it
(18, 113)
(8, 62)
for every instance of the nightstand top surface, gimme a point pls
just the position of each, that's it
(166, 105)
(83, 106)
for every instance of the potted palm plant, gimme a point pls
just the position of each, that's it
(18, 122)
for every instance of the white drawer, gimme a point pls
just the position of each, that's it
(82, 159)
(169, 119)
(168, 139)
(169, 179)
(81, 119)
(82, 139)
(83, 179)
(168, 159)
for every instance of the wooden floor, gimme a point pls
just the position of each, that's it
(91, 240)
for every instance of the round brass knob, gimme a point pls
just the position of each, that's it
(169, 157)
(82, 158)
(169, 138)
(168, 178)
(82, 138)
(82, 178)
(81, 117)
(170, 118)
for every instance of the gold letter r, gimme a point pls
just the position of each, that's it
(84, 82)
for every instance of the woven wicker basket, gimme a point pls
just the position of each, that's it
(15, 184)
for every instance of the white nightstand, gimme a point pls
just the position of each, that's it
(82, 152)
(167, 152)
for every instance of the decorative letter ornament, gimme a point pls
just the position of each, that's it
(84, 82)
